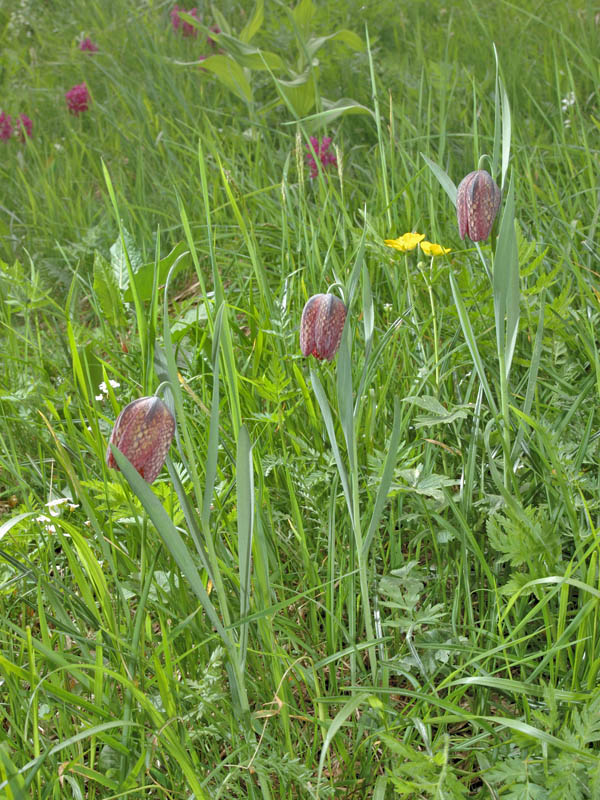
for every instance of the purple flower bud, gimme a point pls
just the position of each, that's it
(477, 203)
(143, 432)
(321, 327)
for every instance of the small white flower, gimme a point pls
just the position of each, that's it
(54, 506)
(42, 518)
(568, 101)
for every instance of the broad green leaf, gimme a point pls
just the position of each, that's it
(231, 75)
(192, 317)
(331, 111)
(347, 37)
(303, 15)
(118, 258)
(246, 55)
(108, 293)
(144, 276)
(254, 24)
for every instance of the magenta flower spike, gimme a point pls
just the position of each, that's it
(143, 432)
(477, 203)
(321, 326)
(6, 127)
(78, 98)
(186, 28)
(322, 150)
(87, 44)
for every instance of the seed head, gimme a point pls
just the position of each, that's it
(143, 432)
(477, 203)
(321, 327)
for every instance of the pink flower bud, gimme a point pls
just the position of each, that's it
(477, 203)
(321, 327)
(143, 432)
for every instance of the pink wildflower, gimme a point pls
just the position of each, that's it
(87, 44)
(323, 155)
(186, 28)
(78, 98)
(25, 127)
(6, 127)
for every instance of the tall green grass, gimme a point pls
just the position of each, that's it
(376, 577)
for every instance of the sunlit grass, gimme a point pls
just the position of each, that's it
(374, 577)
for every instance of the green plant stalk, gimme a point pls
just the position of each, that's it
(505, 411)
(131, 667)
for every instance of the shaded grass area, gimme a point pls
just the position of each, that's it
(455, 655)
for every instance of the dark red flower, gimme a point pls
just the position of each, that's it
(477, 203)
(87, 44)
(143, 432)
(187, 29)
(321, 326)
(323, 154)
(6, 127)
(78, 98)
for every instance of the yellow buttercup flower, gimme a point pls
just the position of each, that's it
(406, 242)
(431, 249)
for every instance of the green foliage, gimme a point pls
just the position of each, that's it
(376, 577)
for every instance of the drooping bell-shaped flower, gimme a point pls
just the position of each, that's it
(321, 327)
(143, 432)
(477, 203)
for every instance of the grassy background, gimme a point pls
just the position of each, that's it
(428, 629)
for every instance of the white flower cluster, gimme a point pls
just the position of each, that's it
(104, 389)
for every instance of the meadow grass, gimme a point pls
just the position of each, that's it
(376, 577)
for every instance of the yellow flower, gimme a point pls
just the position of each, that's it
(431, 249)
(406, 242)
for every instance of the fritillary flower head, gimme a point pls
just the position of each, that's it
(406, 242)
(78, 98)
(432, 249)
(143, 432)
(25, 127)
(477, 203)
(321, 326)
(187, 29)
(322, 151)
(6, 128)
(87, 45)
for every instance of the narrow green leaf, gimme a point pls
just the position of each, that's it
(328, 419)
(385, 481)
(507, 294)
(444, 179)
(245, 525)
(469, 335)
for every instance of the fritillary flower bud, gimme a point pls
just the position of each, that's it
(321, 327)
(477, 203)
(143, 432)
